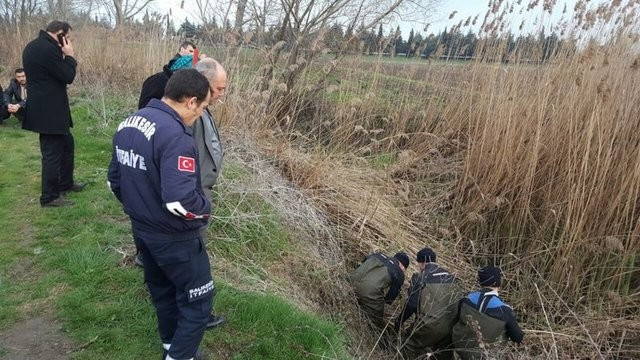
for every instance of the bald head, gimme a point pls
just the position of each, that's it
(217, 76)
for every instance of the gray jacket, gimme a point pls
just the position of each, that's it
(207, 138)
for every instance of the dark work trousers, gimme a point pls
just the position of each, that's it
(57, 165)
(178, 275)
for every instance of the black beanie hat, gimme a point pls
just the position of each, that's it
(403, 258)
(426, 255)
(489, 276)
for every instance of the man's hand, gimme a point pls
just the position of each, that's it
(13, 108)
(67, 48)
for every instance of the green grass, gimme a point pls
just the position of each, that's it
(262, 324)
(68, 262)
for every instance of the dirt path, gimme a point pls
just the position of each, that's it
(36, 338)
(39, 337)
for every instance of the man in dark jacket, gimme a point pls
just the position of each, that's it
(153, 86)
(154, 172)
(484, 318)
(433, 296)
(49, 63)
(378, 281)
(15, 96)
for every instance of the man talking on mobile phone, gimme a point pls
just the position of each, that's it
(49, 62)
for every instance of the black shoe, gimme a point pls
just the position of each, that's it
(138, 260)
(59, 202)
(77, 187)
(215, 321)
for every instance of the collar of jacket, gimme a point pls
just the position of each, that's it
(45, 35)
(207, 113)
(487, 291)
(162, 106)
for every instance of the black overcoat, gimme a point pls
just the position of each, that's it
(48, 73)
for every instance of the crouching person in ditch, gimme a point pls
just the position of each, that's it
(154, 172)
(433, 297)
(484, 318)
(378, 281)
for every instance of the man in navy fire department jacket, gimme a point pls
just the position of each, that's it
(154, 173)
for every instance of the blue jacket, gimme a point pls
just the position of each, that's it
(487, 302)
(154, 172)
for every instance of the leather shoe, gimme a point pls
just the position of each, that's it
(59, 202)
(215, 321)
(77, 187)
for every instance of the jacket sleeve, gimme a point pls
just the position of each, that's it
(181, 192)
(411, 305)
(397, 278)
(113, 175)
(513, 329)
(62, 69)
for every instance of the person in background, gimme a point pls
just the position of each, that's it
(484, 318)
(186, 48)
(49, 62)
(153, 86)
(15, 96)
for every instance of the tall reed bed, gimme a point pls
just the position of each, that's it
(539, 166)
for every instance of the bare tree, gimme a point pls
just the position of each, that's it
(237, 27)
(123, 11)
(300, 26)
(15, 13)
(305, 20)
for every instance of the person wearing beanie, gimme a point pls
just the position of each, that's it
(433, 297)
(485, 311)
(377, 281)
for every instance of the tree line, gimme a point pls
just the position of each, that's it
(447, 44)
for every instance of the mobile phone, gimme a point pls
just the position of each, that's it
(61, 39)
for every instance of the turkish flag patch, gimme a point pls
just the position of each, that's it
(187, 164)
